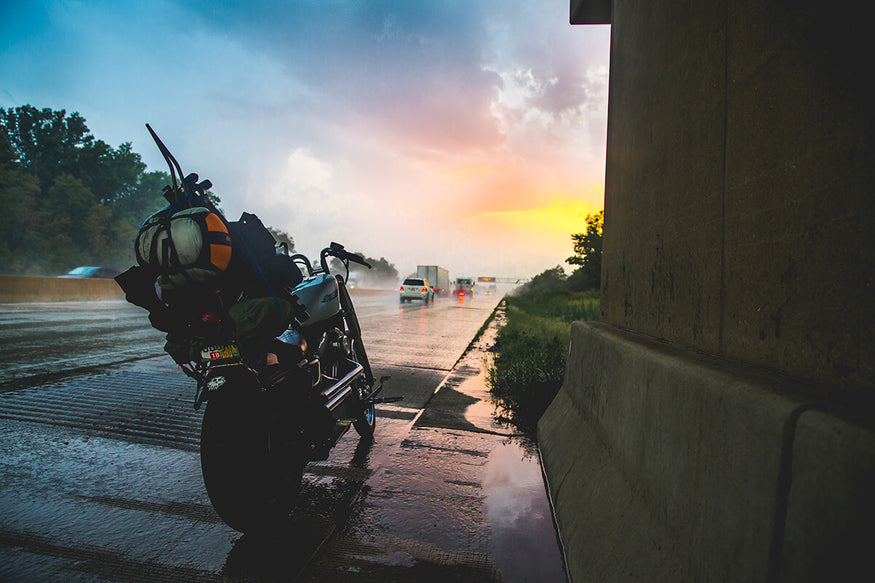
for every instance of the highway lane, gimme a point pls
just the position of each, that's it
(50, 340)
(101, 479)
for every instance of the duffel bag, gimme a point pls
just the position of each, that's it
(185, 248)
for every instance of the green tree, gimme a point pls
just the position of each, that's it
(67, 213)
(111, 174)
(18, 194)
(282, 237)
(143, 200)
(588, 253)
(67, 197)
(549, 280)
(381, 269)
(44, 143)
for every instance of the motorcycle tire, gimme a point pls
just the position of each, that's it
(242, 476)
(366, 420)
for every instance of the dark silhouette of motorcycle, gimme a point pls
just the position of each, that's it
(274, 345)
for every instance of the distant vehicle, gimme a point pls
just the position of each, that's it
(352, 282)
(416, 288)
(93, 272)
(490, 289)
(438, 277)
(464, 287)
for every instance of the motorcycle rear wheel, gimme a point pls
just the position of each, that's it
(366, 420)
(250, 488)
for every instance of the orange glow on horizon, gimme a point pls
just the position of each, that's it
(564, 217)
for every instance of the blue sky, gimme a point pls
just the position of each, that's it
(470, 134)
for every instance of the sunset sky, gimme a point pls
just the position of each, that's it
(468, 134)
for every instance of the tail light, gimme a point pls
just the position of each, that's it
(402, 288)
(425, 289)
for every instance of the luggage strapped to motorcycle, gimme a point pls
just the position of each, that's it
(235, 275)
(187, 243)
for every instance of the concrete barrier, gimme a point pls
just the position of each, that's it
(667, 465)
(22, 288)
(17, 288)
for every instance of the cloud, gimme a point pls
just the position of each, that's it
(409, 71)
(366, 121)
(306, 173)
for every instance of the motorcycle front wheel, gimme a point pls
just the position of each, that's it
(251, 480)
(366, 421)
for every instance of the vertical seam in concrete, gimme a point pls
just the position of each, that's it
(553, 514)
(722, 298)
(782, 495)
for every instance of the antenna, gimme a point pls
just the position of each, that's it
(168, 157)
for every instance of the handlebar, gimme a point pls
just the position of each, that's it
(334, 250)
(337, 250)
(297, 257)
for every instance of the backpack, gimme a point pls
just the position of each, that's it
(257, 262)
(185, 248)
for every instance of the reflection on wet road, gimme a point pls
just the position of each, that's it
(100, 476)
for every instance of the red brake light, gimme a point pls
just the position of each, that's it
(425, 289)
(402, 288)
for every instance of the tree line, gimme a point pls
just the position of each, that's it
(70, 199)
(587, 257)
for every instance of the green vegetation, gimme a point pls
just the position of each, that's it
(532, 348)
(70, 199)
(380, 269)
(588, 254)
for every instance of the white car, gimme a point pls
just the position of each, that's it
(415, 288)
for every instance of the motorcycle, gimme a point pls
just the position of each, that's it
(261, 426)
(270, 412)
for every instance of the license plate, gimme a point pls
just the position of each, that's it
(220, 353)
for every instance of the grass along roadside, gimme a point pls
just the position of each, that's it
(531, 351)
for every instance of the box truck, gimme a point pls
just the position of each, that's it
(438, 278)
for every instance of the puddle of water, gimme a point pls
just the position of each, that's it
(523, 539)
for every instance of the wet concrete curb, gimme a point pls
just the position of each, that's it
(460, 498)
(669, 465)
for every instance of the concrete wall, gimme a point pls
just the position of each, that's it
(15, 288)
(667, 465)
(740, 184)
(719, 423)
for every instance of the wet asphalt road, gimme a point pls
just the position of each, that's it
(100, 477)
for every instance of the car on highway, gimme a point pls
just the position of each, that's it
(91, 271)
(416, 288)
